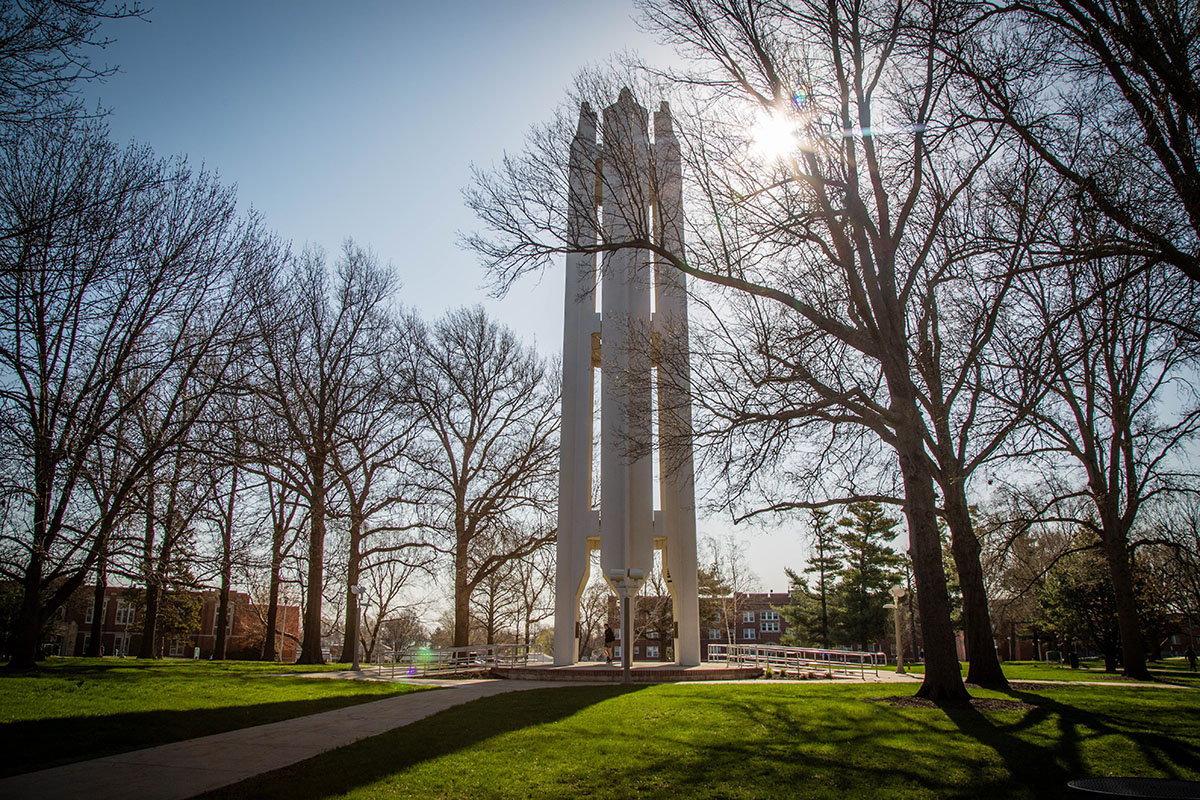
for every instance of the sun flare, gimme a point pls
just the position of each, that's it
(775, 135)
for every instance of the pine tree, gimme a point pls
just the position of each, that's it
(824, 564)
(870, 568)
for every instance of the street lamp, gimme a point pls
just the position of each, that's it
(897, 592)
(357, 591)
(626, 582)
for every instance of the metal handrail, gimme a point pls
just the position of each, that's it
(423, 661)
(797, 658)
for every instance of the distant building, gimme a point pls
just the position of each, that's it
(756, 620)
(121, 636)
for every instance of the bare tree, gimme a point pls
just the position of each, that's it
(126, 297)
(487, 463)
(1110, 360)
(822, 249)
(45, 53)
(1107, 95)
(320, 336)
(734, 579)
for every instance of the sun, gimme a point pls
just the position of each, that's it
(774, 135)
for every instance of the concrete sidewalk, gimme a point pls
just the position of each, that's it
(194, 766)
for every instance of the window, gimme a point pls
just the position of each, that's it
(770, 615)
(770, 627)
(747, 616)
(617, 632)
(652, 635)
(87, 639)
(89, 616)
(176, 647)
(651, 651)
(749, 633)
(637, 649)
(715, 633)
(617, 651)
(124, 612)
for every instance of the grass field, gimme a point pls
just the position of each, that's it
(774, 740)
(78, 708)
(1171, 671)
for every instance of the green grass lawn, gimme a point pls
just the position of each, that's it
(78, 708)
(774, 740)
(1169, 671)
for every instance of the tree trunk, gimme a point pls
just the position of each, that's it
(353, 566)
(1120, 574)
(94, 643)
(269, 650)
(943, 678)
(220, 644)
(462, 596)
(984, 669)
(150, 618)
(27, 632)
(310, 649)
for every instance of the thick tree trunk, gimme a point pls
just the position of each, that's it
(984, 669)
(148, 647)
(27, 633)
(943, 678)
(1120, 573)
(462, 596)
(310, 649)
(353, 566)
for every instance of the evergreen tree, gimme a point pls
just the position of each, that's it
(870, 568)
(824, 565)
(805, 615)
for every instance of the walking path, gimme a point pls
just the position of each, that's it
(194, 766)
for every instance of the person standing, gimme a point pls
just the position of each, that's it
(1191, 657)
(609, 639)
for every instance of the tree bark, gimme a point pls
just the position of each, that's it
(1120, 573)
(310, 649)
(270, 652)
(943, 683)
(94, 643)
(221, 634)
(353, 567)
(984, 666)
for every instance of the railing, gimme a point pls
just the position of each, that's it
(796, 659)
(424, 661)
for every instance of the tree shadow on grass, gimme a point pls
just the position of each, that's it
(31, 745)
(457, 728)
(1046, 770)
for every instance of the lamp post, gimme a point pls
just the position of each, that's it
(897, 592)
(626, 582)
(357, 591)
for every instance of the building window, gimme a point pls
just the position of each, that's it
(124, 612)
(749, 633)
(176, 647)
(747, 616)
(90, 615)
(770, 627)
(617, 651)
(651, 651)
(652, 635)
(715, 633)
(770, 615)
(617, 633)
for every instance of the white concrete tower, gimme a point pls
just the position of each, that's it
(638, 187)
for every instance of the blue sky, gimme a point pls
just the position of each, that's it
(361, 119)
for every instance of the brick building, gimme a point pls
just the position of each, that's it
(754, 619)
(121, 635)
